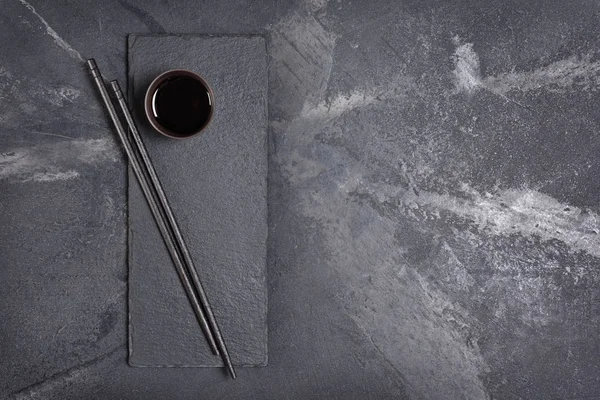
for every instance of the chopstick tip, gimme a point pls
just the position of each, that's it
(93, 67)
(91, 63)
(231, 371)
(114, 84)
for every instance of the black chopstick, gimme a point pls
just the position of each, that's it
(157, 213)
(162, 199)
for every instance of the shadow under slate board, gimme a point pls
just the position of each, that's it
(216, 183)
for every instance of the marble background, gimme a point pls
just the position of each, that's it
(433, 207)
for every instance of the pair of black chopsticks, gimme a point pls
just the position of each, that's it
(157, 200)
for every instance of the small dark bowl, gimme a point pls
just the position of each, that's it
(180, 107)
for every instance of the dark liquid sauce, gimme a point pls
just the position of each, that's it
(183, 105)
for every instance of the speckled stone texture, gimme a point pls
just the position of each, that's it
(216, 184)
(433, 200)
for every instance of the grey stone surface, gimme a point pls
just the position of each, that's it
(216, 184)
(432, 200)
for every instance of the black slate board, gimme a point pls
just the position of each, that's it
(217, 187)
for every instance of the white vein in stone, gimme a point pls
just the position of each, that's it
(57, 39)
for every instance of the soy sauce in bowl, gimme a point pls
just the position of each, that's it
(179, 104)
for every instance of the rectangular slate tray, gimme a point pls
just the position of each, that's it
(217, 186)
